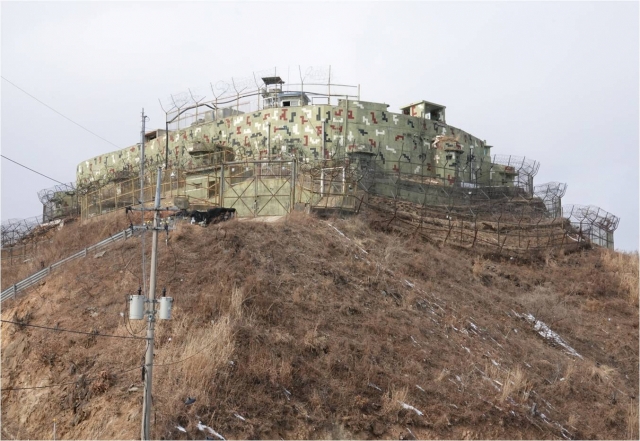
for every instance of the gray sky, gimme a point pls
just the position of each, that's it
(557, 82)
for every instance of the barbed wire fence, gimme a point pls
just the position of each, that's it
(519, 219)
(516, 219)
(59, 201)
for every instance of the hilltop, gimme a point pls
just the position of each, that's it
(315, 328)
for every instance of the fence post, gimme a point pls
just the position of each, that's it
(222, 185)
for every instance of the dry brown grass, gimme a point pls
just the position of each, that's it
(625, 268)
(632, 421)
(600, 373)
(478, 267)
(444, 373)
(73, 237)
(392, 399)
(568, 378)
(237, 298)
(515, 385)
(294, 327)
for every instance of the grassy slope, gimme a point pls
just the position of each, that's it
(306, 333)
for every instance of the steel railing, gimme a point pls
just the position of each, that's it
(14, 289)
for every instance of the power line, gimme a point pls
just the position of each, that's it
(71, 331)
(63, 384)
(51, 108)
(30, 169)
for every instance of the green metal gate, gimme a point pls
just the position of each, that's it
(258, 188)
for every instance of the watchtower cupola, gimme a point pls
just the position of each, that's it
(271, 91)
(426, 110)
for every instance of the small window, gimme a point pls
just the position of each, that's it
(286, 104)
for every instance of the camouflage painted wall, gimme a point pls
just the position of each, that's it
(405, 143)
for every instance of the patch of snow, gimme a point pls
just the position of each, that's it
(343, 235)
(541, 328)
(181, 429)
(409, 284)
(420, 388)
(495, 363)
(239, 417)
(202, 427)
(543, 416)
(408, 407)
(414, 340)
(374, 386)
(467, 349)
(339, 232)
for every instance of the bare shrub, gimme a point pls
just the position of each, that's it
(102, 384)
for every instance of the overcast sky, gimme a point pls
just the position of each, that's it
(556, 82)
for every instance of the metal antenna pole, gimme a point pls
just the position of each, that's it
(142, 238)
(148, 363)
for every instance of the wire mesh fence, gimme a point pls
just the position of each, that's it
(515, 215)
(591, 223)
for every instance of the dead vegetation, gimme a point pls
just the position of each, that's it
(309, 328)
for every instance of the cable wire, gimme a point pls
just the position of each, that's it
(71, 331)
(63, 384)
(186, 358)
(30, 169)
(51, 108)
